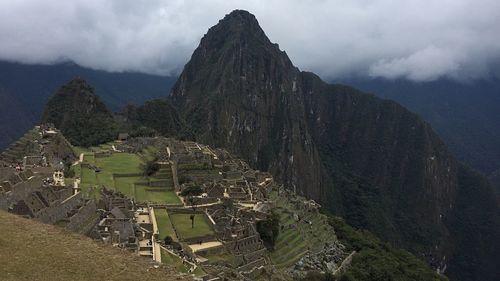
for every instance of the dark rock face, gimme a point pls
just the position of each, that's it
(367, 159)
(237, 92)
(453, 108)
(80, 115)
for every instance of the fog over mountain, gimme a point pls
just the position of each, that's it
(415, 39)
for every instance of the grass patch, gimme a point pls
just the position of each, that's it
(164, 224)
(173, 261)
(79, 150)
(126, 185)
(182, 224)
(163, 173)
(199, 271)
(151, 194)
(88, 176)
(120, 163)
(149, 153)
(77, 169)
(105, 179)
(88, 158)
(117, 163)
(220, 257)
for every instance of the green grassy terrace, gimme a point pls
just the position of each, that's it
(182, 225)
(164, 224)
(123, 172)
(296, 238)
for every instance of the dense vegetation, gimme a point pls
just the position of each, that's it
(480, 233)
(192, 191)
(80, 115)
(150, 167)
(269, 229)
(155, 116)
(318, 276)
(86, 131)
(378, 261)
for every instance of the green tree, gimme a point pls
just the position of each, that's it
(269, 229)
(150, 167)
(192, 220)
(192, 191)
(168, 240)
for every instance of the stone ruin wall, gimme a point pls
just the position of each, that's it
(59, 211)
(20, 191)
(80, 221)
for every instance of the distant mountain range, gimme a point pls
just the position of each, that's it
(465, 115)
(25, 89)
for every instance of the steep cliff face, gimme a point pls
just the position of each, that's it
(240, 91)
(80, 115)
(365, 158)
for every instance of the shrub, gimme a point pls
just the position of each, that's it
(192, 191)
(269, 229)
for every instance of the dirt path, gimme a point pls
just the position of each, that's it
(80, 160)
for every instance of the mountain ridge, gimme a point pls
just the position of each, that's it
(464, 114)
(25, 89)
(367, 159)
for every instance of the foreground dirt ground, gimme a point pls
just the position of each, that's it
(35, 251)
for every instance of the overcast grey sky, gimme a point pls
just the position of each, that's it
(417, 39)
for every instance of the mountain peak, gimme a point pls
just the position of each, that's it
(75, 106)
(237, 26)
(242, 16)
(235, 48)
(331, 143)
(76, 86)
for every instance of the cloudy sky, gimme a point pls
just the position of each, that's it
(420, 40)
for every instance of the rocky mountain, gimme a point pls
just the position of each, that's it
(80, 115)
(367, 159)
(25, 89)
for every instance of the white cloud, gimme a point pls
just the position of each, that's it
(415, 39)
(424, 65)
